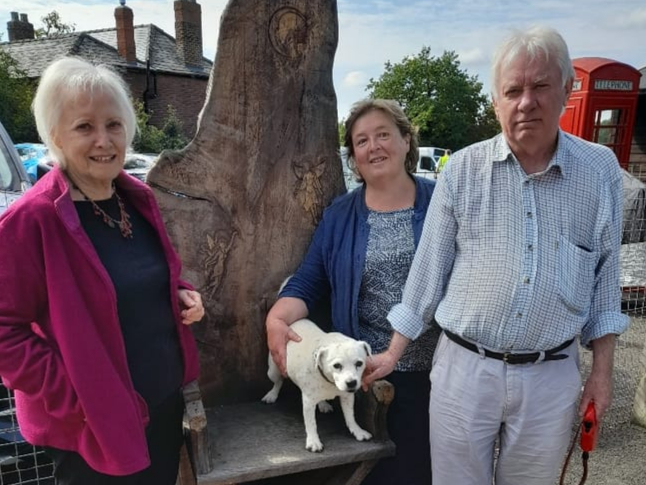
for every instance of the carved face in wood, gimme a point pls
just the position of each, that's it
(379, 148)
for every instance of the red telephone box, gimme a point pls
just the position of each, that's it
(603, 103)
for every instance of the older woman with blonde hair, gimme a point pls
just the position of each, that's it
(94, 336)
(360, 256)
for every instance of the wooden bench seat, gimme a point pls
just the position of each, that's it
(244, 442)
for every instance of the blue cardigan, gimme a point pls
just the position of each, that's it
(334, 261)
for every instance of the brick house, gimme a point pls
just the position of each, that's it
(160, 70)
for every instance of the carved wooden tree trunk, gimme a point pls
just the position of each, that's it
(241, 201)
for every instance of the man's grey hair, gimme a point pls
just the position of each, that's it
(535, 41)
(69, 77)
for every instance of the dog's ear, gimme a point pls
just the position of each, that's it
(319, 355)
(367, 347)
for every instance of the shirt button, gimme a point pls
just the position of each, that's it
(526, 280)
(530, 247)
(529, 215)
(519, 315)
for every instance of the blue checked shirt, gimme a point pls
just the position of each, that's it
(515, 261)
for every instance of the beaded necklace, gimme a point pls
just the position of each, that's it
(124, 224)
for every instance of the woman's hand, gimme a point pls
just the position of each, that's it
(378, 366)
(278, 334)
(191, 304)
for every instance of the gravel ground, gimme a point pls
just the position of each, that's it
(620, 455)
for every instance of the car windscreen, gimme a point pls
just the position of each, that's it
(9, 179)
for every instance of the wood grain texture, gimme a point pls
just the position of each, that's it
(256, 441)
(242, 200)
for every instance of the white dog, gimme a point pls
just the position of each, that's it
(323, 365)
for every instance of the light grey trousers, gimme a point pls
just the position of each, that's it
(476, 400)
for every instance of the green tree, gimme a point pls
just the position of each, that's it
(16, 95)
(17, 90)
(148, 138)
(53, 25)
(341, 128)
(151, 139)
(445, 103)
(174, 138)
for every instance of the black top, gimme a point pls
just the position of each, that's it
(140, 275)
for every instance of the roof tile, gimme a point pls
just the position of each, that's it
(100, 46)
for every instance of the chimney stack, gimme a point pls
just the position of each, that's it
(188, 31)
(19, 29)
(125, 32)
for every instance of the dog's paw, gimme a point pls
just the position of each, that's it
(360, 434)
(270, 397)
(313, 444)
(325, 407)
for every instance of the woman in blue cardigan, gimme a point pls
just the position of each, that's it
(360, 255)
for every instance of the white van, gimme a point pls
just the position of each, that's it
(427, 162)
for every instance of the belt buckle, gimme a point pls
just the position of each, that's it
(505, 357)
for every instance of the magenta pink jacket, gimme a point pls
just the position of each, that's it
(61, 347)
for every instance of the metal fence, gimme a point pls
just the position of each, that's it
(620, 457)
(20, 463)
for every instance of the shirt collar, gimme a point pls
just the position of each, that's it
(561, 160)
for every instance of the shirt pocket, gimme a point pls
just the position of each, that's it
(576, 275)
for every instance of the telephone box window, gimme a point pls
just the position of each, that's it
(609, 126)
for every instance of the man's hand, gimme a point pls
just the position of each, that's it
(598, 387)
(278, 334)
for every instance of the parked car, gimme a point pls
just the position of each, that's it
(31, 154)
(349, 178)
(13, 177)
(139, 164)
(20, 462)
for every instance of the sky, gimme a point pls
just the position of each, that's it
(373, 32)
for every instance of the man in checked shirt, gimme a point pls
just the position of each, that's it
(519, 258)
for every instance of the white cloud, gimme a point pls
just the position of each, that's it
(372, 32)
(631, 19)
(355, 78)
(472, 56)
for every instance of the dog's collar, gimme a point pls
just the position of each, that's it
(323, 374)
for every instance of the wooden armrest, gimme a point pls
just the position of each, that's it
(372, 408)
(199, 447)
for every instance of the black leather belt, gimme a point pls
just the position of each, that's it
(512, 358)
